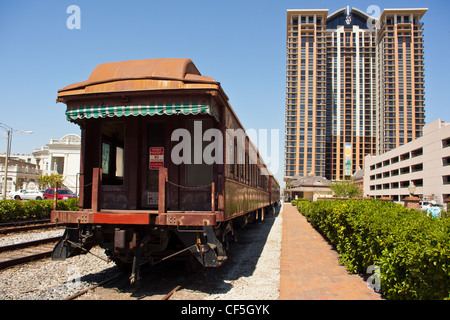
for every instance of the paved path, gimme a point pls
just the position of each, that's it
(310, 269)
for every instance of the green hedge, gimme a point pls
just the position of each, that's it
(12, 210)
(298, 201)
(411, 250)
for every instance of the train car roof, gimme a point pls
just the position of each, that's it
(140, 75)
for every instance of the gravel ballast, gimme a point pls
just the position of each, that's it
(252, 271)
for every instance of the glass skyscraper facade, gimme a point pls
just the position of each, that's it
(354, 86)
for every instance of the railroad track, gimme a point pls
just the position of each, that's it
(20, 253)
(80, 293)
(11, 227)
(150, 278)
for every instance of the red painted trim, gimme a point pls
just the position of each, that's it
(115, 218)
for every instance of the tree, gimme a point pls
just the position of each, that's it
(346, 188)
(49, 181)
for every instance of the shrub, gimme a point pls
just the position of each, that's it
(72, 204)
(301, 200)
(412, 250)
(11, 210)
(33, 209)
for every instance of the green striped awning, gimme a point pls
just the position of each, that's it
(186, 108)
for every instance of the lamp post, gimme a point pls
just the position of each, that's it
(9, 132)
(6, 163)
(412, 202)
(412, 188)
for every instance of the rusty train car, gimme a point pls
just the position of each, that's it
(163, 172)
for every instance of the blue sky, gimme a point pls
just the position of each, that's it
(241, 44)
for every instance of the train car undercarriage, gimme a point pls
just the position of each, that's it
(129, 245)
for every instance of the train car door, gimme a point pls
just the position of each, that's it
(154, 155)
(198, 175)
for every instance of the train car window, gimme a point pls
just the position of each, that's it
(231, 155)
(119, 162)
(241, 162)
(247, 170)
(201, 173)
(106, 157)
(236, 164)
(233, 165)
(258, 174)
(113, 134)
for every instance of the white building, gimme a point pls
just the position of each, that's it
(21, 175)
(424, 162)
(61, 156)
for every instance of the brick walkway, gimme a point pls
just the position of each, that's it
(310, 269)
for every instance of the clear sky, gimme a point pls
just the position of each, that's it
(241, 44)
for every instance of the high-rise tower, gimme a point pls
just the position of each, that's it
(354, 86)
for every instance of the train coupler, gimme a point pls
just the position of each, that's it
(75, 241)
(204, 246)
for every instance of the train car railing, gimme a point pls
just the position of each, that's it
(163, 181)
(162, 190)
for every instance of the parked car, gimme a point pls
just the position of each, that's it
(63, 194)
(26, 195)
(424, 205)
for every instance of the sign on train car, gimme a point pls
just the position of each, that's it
(156, 158)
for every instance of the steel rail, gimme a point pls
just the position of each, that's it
(22, 245)
(27, 257)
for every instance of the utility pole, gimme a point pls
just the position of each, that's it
(6, 164)
(8, 147)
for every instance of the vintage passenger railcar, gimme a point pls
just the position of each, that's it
(148, 189)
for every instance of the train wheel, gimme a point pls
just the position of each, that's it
(228, 234)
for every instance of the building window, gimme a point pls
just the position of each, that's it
(446, 161)
(404, 170)
(446, 143)
(446, 180)
(417, 152)
(404, 156)
(404, 184)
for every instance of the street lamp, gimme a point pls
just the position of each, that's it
(9, 131)
(412, 188)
